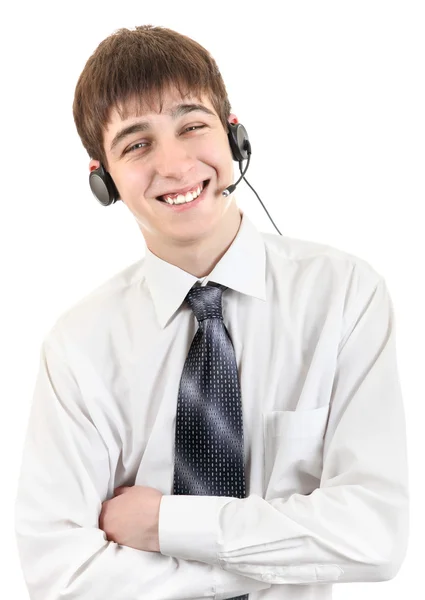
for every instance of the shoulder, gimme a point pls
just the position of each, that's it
(316, 257)
(88, 320)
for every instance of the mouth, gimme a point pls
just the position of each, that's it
(186, 205)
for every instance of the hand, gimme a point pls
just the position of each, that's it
(131, 518)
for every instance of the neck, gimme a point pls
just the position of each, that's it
(199, 256)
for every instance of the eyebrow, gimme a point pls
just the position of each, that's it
(177, 111)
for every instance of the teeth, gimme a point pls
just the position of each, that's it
(182, 198)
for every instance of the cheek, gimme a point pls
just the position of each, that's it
(220, 159)
(131, 180)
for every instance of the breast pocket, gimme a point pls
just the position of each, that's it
(293, 450)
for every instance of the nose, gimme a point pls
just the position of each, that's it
(172, 159)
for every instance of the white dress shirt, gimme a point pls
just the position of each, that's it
(324, 432)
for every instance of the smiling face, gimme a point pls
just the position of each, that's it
(170, 151)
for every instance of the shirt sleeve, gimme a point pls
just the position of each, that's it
(354, 527)
(62, 483)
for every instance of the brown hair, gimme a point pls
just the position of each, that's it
(140, 64)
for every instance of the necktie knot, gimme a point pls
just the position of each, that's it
(206, 301)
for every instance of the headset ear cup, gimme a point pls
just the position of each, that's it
(103, 186)
(239, 141)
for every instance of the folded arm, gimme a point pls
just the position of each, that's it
(63, 481)
(354, 527)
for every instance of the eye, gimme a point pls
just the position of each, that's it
(193, 127)
(134, 147)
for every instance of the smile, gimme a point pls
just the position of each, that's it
(186, 204)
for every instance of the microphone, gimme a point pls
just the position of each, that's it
(229, 190)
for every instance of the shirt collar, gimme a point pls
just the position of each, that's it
(242, 268)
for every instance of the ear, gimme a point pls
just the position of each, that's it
(232, 118)
(93, 164)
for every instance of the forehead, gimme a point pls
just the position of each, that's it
(154, 106)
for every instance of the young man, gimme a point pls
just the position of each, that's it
(107, 505)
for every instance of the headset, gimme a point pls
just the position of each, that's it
(105, 191)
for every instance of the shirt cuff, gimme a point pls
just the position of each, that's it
(189, 526)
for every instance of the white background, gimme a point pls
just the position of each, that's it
(332, 95)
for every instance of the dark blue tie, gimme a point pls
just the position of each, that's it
(209, 448)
